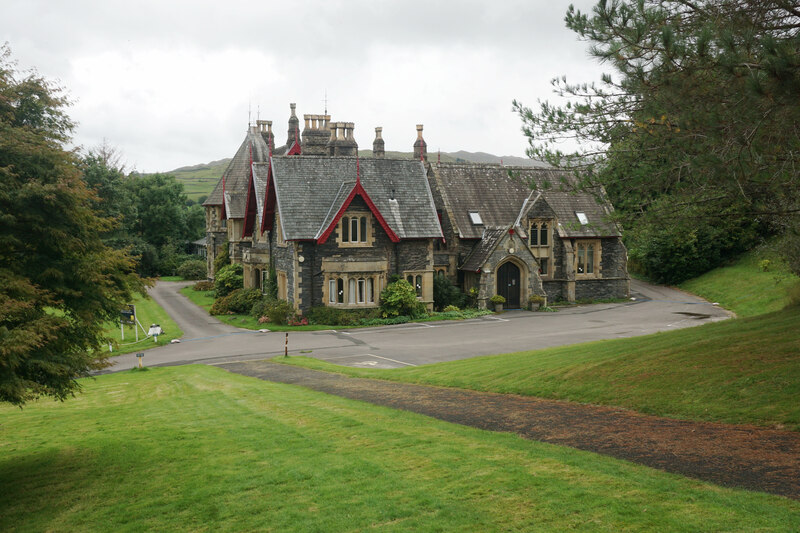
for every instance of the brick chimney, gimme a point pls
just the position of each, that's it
(420, 147)
(378, 144)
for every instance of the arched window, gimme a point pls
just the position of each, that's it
(370, 290)
(332, 291)
(418, 285)
(345, 229)
(362, 237)
(340, 290)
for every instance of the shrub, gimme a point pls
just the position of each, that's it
(333, 316)
(279, 311)
(261, 307)
(399, 298)
(445, 293)
(203, 286)
(222, 259)
(298, 320)
(497, 299)
(451, 309)
(192, 269)
(240, 301)
(228, 279)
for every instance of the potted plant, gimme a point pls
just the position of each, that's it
(498, 302)
(536, 302)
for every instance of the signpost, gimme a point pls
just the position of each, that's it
(140, 356)
(127, 316)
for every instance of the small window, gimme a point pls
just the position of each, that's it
(345, 229)
(475, 217)
(543, 234)
(410, 280)
(582, 218)
(418, 286)
(363, 230)
(340, 290)
(370, 290)
(543, 266)
(354, 229)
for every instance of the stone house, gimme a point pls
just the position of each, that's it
(336, 227)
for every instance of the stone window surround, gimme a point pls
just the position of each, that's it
(342, 282)
(419, 280)
(583, 244)
(542, 251)
(364, 241)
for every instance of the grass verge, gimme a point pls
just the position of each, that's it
(198, 449)
(148, 312)
(735, 371)
(744, 287)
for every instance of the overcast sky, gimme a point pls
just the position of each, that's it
(170, 83)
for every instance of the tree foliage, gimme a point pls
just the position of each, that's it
(699, 115)
(59, 283)
(154, 217)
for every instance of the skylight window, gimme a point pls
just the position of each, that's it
(475, 217)
(582, 218)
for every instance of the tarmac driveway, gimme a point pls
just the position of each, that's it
(207, 340)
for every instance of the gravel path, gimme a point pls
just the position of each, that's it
(738, 456)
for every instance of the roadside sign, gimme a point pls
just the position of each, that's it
(127, 315)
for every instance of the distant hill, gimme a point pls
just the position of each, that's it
(199, 180)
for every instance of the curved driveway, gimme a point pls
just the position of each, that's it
(207, 340)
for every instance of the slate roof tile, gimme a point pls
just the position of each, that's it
(498, 193)
(308, 189)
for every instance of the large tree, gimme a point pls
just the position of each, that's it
(59, 283)
(694, 133)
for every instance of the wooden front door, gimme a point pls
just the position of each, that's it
(508, 284)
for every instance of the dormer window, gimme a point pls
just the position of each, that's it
(475, 218)
(354, 230)
(582, 218)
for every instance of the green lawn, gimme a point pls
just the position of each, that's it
(737, 371)
(744, 288)
(148, 312)
(198, 449)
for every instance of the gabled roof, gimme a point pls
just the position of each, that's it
(311, 193)
(483, 249)
(237, 175)
(497, 193)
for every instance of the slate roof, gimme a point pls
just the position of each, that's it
(483, 248)
(237, 175)
(497, 193)
(311, 190)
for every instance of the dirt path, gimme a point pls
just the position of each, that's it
(737, 456)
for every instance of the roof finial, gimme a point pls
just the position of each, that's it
(325, 101)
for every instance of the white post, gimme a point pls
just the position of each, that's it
(122, 329)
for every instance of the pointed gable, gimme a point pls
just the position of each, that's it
(312, 193)
(357, 190)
